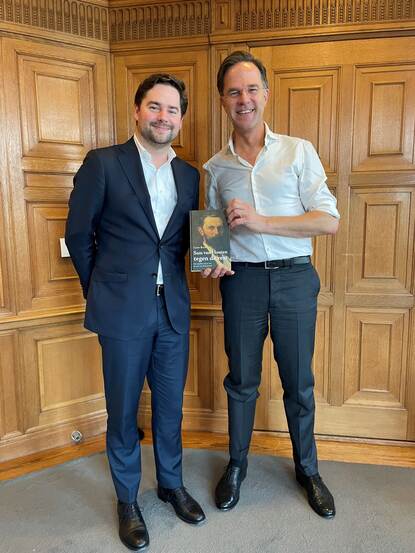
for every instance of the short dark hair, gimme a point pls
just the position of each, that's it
(162, 78)
(203, 216)
(237, 57)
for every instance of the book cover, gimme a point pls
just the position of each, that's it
(209, 240)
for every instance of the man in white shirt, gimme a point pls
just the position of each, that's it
(128, 233)
(274, 190)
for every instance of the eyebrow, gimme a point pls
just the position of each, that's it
(154, 103)
(247, 86)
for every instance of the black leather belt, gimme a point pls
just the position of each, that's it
(275, 263)
(159, 289)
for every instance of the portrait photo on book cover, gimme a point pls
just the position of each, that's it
(209, 240)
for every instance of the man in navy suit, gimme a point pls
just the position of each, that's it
(128, 233)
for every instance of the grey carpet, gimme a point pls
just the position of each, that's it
(71, 509)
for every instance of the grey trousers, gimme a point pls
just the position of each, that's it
(286, 299)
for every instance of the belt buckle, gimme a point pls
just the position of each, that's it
(269, 267)
(159, 289)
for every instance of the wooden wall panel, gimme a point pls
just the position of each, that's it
(62, 374)
(45, 149)
(11, 404)
(6, 281)
(381, 240)
(376, 363)
(363, 359)
(305, 104)
(64, 128)
(354, 100)
(383, 137)
(53, 275)
(4, 300)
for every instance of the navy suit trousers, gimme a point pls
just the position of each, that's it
(161, 355)
(285, 298)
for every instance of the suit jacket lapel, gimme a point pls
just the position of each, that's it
(131, 163)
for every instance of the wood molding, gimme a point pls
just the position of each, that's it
(75, 17)
(279, 14)
(263, 443)
(123, 21)
(14, 448)
(159, 20)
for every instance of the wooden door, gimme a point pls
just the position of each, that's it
(355, 101)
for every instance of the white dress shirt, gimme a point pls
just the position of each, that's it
(162, 190)
(287, 179)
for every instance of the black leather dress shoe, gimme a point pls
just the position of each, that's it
(187, 508)
(133, 532)
(227, 490)
(319, 496)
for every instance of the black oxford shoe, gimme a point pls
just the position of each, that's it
(227, 490)
(133, 532)
(187, 508)
(319, 496)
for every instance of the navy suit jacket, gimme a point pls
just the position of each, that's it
(112, 237)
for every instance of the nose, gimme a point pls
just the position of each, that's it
(163, 114)
(244, 95)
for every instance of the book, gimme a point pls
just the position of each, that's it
(209, 240)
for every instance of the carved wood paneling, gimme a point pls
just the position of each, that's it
(62, 374)
(282, 14)
(380, 237)
(11, 402)
(383, 137)
(376, 357)
(75, 17)
(305, 104)
(366, 270)
(323, 251)
(58, 107)
(53, 275)
(163, 20)
(126, 20)
(4, 300)
(6, 306)
(66, 127)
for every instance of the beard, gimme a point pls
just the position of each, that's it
(151, 135)
(216, 242)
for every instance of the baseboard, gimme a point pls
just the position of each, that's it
(349, 450)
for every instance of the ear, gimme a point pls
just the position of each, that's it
(200, 231)
(266, 94)
(136, 112)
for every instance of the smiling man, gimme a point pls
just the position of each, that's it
(274, 190)
(128, 233)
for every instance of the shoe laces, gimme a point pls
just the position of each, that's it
(130, 510)
(180, 493)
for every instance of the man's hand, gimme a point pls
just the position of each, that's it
(218, 272)
(241, 213)
(311, 223)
